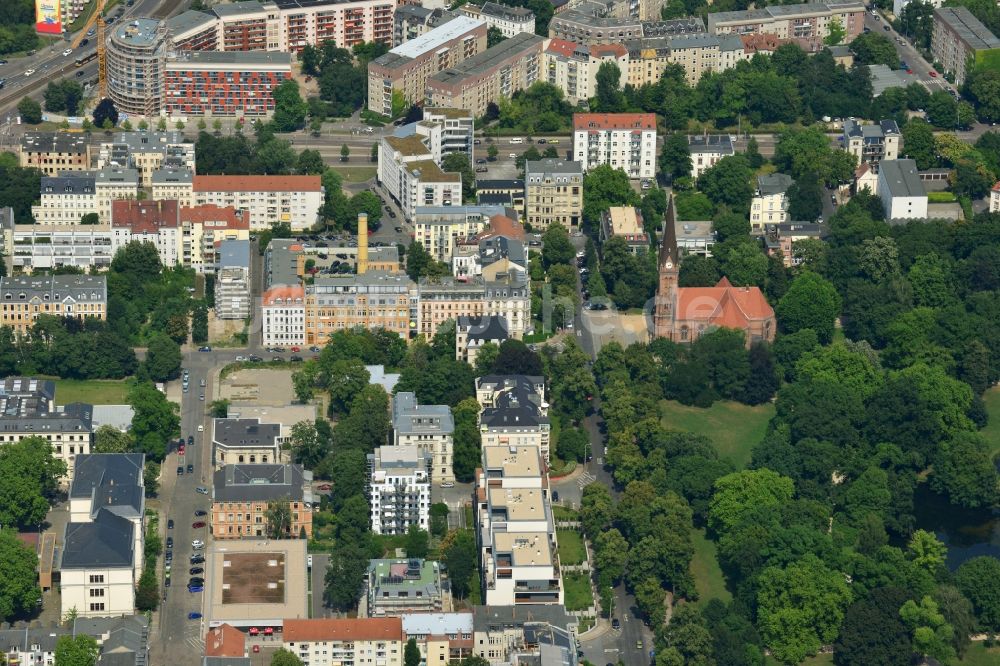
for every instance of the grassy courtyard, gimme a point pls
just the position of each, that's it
(571, 549)
(94, 391)
(708, 578)
(354, 174)
(992, 430)
(733, 427)
(578, 595)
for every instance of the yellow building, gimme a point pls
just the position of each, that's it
(371, 300)
(23, 299)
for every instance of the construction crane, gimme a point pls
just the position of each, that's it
(96, 18)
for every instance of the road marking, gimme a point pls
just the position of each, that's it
(585, 478)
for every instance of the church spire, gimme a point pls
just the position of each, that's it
(666, 291)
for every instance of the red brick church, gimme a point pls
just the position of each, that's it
(682, 314)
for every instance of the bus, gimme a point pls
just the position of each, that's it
(83, 60)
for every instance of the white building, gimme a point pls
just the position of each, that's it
(511, 467)
(232, 280)
(173, 183)
(572, 67)
(409, 169)
(769, 204)
(155, 222)
(295, 200)
(111, 184)
(871, 144)
(625, 141)
(65, 199)
(28, 247)
(244, 441)
(147, 152)
(514, 412)
(508, 20)
(283, 311)
(706, 151)
(471, 333)
(429, 428)
(370, 641)
(400, 489)
(452, 131)
(995, 198)
(440, 229)
(903, 195)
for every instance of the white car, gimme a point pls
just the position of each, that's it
(67, 52)
(201, 428)
(197, 543)
(241, 358)
(447, 484)
(29, 72)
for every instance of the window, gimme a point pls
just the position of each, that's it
(97, 606)
(96, 578)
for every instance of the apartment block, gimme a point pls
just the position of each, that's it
(65, 199)
(509, 21)
(810, 22)
(331, 642)
(441, 637)
(903, 194)
(296, 200)
(706, 151)
(553, 192)
(590, 23)
(242, 494)
(770, 203)
(411, 21)
(429, 428)
(147, 152)
(406, 68)
(573, 67)
(283, 311)
(625, 222)
(240, 441)
(871, 144)
(173, 183)
(780, 239)
(216, 83)
(958, 38)
(471, 333)
(496, 73)
(512, 466)
(122, 639)
(54, 152)
(398, 587)
(440, 228)
(30, 247)
(370, 300)
(625, 141)
(524, 634)
(455, 127)
(203, 231)
(194, 31)
(514, 412)
(399, 489)
(68, 296)
(232, 280)
(155, 222)
(444, 299)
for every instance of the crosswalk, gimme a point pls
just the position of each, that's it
(585, 478)
(193, 637)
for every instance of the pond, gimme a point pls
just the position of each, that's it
(968, 533)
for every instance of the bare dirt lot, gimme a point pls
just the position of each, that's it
(254, 578)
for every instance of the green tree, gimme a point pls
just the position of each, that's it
(604, 187)
(199, 324)
(105, 111)
(29, 475)
(30, 110)
(344, 380)
(810, 302)
(344, 576)
(927, 552)
(805, 198)
(283, 657)
(279, 519)
(493, 37)
(345, 153)
(151, 478)
(310, 162)
(932, 635)
(964, 470)
(147, 593)
(556, 246)
(417, 542)
(610, 555)
(573, 444)
(439, 519)
(872, 631)
(467, 439)
(109, 439)
(163, 358)
(609, 97)
(491, 152)
(675, 156)
(411, 654)
(154, 422)
(19, 592)
(979, 580)
(802, 151)
(739, 493)
(835, 32)
(918, 143)
(459, 163)
(289, 108)
(982, 86)
(871, 48)
(460, 555)
(729, 182)
(78, 650)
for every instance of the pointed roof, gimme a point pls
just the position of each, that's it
(723, 305)
(668, 248)
(225, 641)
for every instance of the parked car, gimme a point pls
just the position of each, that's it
(206, 348)
(190, 440)
(314, 349)
(616, 624)
(201, 490)
(199, 512)
(295, 350)
(190, 469)
(447, 484)
(932, 74)
(197, 544)
(194, 616)
(67, 52)
(170, 542)
(180, 449)
(180, 470)
(196, 570)
(170, 524)
(201, 428)
(198, 525)
(195, 588)
(295, 359)
(196, 581)
(197, 559)
(481, 169)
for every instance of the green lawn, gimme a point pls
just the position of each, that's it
(734, 428)
(354, 174)
(979, 655)
(578, 596)
(992, 430)
(94, 391)
(564, 513)
(571, 549)
(818, 660)
(708, 578)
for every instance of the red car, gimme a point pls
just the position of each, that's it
(295, 350)
(323, 486)
(180, 450)
(933, 74)
(909, 71)
(198, 525)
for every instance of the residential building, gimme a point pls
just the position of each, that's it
(865, 178)
(411, 21)
(399, 489)
(447, 298)
(995, 198)
(242, 495)
(494, 256)
(589, 23)
(147, 152)
(239, 441)
(440, 228)
(173, 183)
(568, 66)
(135, 55)
(625, 222)
(52, 153)
(284, 315)
(903, 194)
(429, 428)
(899, 5)
(471, 333)
(216, 83)
(695, 237)
(397, 587)
(780, 239)
(155, 222)
(808, 23)
(65, 199)
(509, 21)
(525, 634)
(441, 637)
(871, 144)
(512, 188)
(553, 192)
(296, 200)
(194, 31)
(110, 185)
(770, 203)
(205, 228)
(30, 247)
(498, 72)
(959, 38)
(232, 280)
(515, 412)
(408, 171)
(683, 314)
(329, 642)
(405, 69)
(225, 640)
(120, 640)
(276, 412)
(74, 296)
(456, 128)
(370, 300)
(625, 141)
(706, 151)
(512, 466)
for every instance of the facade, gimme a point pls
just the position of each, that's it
(706, 151)
(514, 413)
(903, 194)
(397, 587)
(371, 300)
(590, 23)
(148, 152)
(471, 333)
(194, 31)
(871, 144)
(780, 239)
(112, 184)
(269, 199)
(399, 489)
(52, 153)
(456, 128)
(513, 189)
(411, 21)
(625, 222)
(135, 56)
(444, 299)
(74, 296)
(283, 311)
(809, 23)
(509, 21)
(695, 237)
(240, 441)
(406, 68)
(242, 494)
(173, 183)
(329, 642)
(572, 67)
(214, 83)
(486, 77)
(959, 37)
(30, 247)
(155, 222)
(65, 199)
(625, 141)
(232, 280)
(683, 314)
(121, 640)
(429, 428)
(409, 164)
(205, 228)
(441, 637)
(439, 229)
(770, 203)
(553, 192)
(995, 198)
(524, 634)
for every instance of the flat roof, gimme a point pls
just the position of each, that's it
(491, 57)
(526, 548)
(237, 8)
(901, 177)
(137, 32)
(515, 461)
(189, 20)
(430, 172)
(257, 58)
(624, 221)
(970, 29)
(255, 583)
(436, 624)
(710, 143)
(436, 38)
(408, 146)
(521, 503)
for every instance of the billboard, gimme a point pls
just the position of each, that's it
(47, 20)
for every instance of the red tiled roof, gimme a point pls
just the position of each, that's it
(602, 121)
(284, 293)
(723, 305)
(501, 225)
(256, 183)
(561, 46)
(760, 41)
(996, 186)
(603, 50)
(225, 641)
(216, 216)
(145, 217)
(362, 629)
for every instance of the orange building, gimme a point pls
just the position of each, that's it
(242, 495)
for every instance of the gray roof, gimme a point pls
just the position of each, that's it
(234, 254)
(710, 143)
(245, 432)
(518, 406)
(117, 416)
(409, 418)
(494, 248)
(149, 140)
(428, 41)
(494, 618)
(884, 128)
(507, 13)
(387, 579)
(142, 32)
(105, 542)
(417, 12)
(113, 480)
(54, 142)
(490, 58)
(232, 58)
(970, 29)
(189, 20)
(126, 644)
(485, 328)
(535, 383)
(261, 483)
(504, 199)
(22, 639)
(55, 288)
(884, 78)
(500, 184)
(431, 214)
(173, 176)
(27, 404)
(378, 375)
(437, 624)
(237, 8)
(7, 218)
(225, 661)
(279, 262)
(81, 182)
(901, 177)
(109, 175)
(551, 166)
(774, 183)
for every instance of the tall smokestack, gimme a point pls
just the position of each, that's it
(362, 243)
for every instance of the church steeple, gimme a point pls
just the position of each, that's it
(669, 269)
